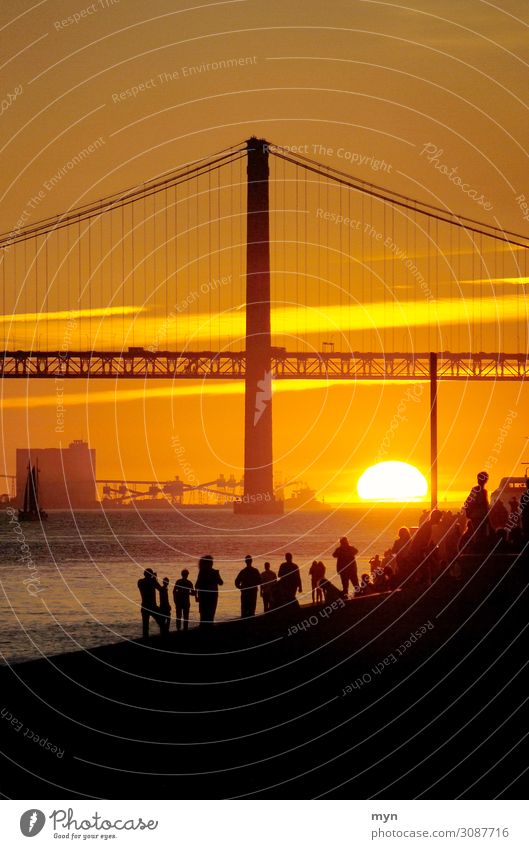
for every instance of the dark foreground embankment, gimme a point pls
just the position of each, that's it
(396, 695)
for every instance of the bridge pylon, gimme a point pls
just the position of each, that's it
(258, 497)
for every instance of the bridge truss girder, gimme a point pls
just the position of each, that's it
(211, 365)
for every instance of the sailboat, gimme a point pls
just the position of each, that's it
(31, 512)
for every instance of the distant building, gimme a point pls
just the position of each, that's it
(66, 475)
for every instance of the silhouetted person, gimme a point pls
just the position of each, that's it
(331, 593)
(477, 509)
(365, 584)
(514, 515)
(423, 552)
(440, 533)
(388, 558)
(524, 503)
(268, 583)
(452, 544)
(375, 564)
(182, 592)
(165, 607)
(320, 595)
(207, 590)
(502, 545)
(147, 587)
(248, 581)
(388, 578)
(466, 538)
(426, 534)
(379, 581)
(423, 517)
(346, 564)
(289, 580)
(401, 550)
(316, 575)
(498, 514)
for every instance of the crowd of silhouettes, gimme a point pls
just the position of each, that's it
(277, 589)
(160, 611)
(418, 556)
(494, 528)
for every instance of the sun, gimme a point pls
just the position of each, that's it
(392, 481)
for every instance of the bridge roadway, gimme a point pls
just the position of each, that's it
(139, 363)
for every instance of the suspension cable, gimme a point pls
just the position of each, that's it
(400, 200)
(110, 202)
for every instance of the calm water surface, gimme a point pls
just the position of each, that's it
(86, 565)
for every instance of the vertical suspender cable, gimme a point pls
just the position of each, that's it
(198, 264)
(393, 260)
(296, 272)
(79, 275)
(133, 270)
(123, 268)
(348, 260)
(437, 249)
(305, 249)
(209, 249)
(340, 256)
(318, 253)
(176, 255)
(219, 248)
(101, 298)
(144, 270)
(166, 252)
(109, 259)
(4, 313)
(363, 258)
(526, 318)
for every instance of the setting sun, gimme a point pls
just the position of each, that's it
(392, 481)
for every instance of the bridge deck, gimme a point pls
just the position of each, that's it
(210, 365)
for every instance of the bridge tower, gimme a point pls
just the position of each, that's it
(258, 457)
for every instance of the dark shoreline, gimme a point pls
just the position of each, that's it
(264, 708)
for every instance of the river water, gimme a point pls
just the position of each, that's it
(71, 583)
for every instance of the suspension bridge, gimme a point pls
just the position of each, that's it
(257, 264)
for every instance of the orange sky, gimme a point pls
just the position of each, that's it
(351, 84)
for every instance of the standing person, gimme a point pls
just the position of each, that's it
(375, 564)
(320, 597)
(165, 607)
(147, 587)
(524, 503)
(289, 580)
(423, 555)
(207, 590)
(401, 549)
(346, 567)
(477, 509)
(452, 548)
(316, 575)
(248, 581)
(498, 515)
(182, 592)
(515, 512)
(268, 583)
